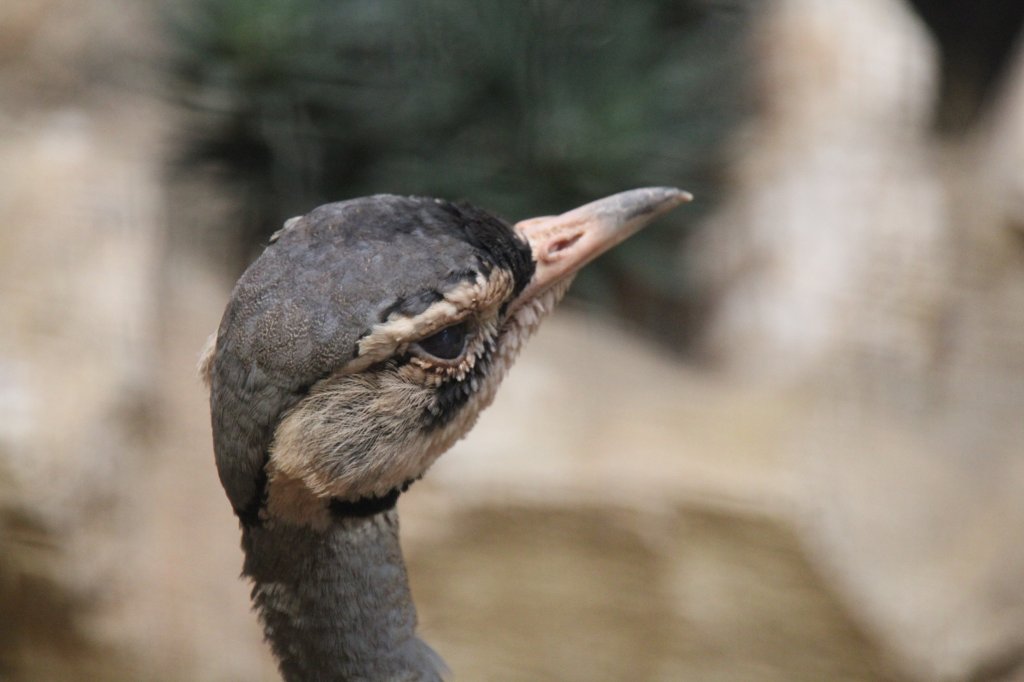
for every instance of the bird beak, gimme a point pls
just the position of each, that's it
(564, 243)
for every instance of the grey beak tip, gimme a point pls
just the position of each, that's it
(672, 194)
(652, 201)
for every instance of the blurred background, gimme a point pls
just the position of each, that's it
(778, 436)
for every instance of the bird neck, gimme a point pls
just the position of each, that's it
(335, 602)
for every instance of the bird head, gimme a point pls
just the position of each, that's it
(369, 335)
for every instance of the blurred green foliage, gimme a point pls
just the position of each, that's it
(525, 108)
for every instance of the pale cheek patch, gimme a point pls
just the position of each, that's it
(356, 437)
(345, 439)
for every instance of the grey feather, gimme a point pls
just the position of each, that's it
(336, 605)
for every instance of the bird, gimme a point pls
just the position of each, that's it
(357, 348)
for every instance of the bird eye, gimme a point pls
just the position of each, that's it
(446, 344)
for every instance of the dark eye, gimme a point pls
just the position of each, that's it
(446, 344)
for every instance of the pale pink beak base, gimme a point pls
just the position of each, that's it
(564, 243)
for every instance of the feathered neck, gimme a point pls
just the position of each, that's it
(335, 602)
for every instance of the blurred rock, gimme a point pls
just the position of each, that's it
(876, 265)
(92, 587)
(834, 240)
(76, 336)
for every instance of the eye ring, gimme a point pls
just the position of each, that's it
(447, 344)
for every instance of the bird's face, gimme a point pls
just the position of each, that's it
(369, 335)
